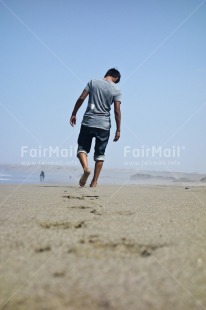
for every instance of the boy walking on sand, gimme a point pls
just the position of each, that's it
(96, 121)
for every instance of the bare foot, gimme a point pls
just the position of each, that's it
(84, 177)
(93, 184)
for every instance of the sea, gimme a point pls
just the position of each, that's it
(70, 175)
(14, 174)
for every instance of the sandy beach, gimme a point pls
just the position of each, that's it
(119, 247)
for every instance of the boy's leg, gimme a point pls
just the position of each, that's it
(97, 170)
(84, 145)
(102, 138)
(84, 162)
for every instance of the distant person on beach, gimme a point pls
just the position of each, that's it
(42, 176)
(96, 121)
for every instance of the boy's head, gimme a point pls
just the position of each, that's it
(115, 74)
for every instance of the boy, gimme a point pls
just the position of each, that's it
(96, 121)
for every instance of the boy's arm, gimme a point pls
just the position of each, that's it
(117, 114)
(78, 104)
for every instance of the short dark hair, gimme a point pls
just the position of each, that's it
(114, 73)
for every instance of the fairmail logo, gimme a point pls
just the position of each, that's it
(48, 152)
(154, 152)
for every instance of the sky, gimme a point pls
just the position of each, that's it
(50, 49)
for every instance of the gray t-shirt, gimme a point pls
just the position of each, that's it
(102, 94)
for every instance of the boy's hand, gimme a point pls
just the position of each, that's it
(117, 136)
(73, 120)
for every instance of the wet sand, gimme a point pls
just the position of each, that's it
(114, 247)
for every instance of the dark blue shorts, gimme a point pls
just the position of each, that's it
(85, 141)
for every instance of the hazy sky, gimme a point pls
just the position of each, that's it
(50, 49)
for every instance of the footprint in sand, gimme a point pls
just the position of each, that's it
(95, 212)
(63, 225)
(59, 274)
(73, 197)
(92, 197)
(43, 249)
(80, 207)
(95, 247)
(126, 213)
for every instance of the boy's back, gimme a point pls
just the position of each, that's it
(102, 94)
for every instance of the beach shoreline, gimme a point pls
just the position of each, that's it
(70, 175)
